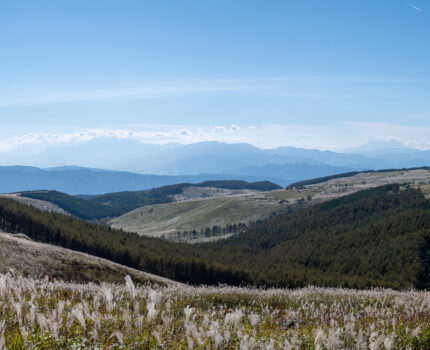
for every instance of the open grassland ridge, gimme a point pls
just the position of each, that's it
(43, 314)
(350, 174)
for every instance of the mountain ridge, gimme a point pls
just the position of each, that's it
(179, 159)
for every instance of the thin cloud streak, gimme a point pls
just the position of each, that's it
(289, 87)
(112, 93)
(414, 7)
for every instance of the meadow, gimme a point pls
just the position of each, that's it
(49, 314)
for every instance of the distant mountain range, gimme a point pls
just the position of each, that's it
(135, 166)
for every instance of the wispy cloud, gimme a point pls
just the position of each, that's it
(288, 87)
(97, 94)
(414, 7)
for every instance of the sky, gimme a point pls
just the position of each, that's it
(314, 74)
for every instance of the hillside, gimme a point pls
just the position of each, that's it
(173, 219)
(44, 205)
(379, 234)
(33, 259)
(74, 205)
(376, 237)
(126, 201)
(109, 205)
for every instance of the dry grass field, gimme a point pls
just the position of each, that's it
(43, 314)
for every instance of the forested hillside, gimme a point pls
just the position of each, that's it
(147, 254)
(74, 205)
(377, 237)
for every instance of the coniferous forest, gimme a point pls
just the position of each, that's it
(377, 237)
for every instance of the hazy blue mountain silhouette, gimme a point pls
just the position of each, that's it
(217, 157)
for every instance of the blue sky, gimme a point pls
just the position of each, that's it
(325, 74)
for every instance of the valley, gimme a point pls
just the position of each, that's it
(350, 239)
(213, 210)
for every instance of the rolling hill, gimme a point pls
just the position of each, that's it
(214, 210)
(98, 207)
(190, 220)
(375, 237)
(171, 220)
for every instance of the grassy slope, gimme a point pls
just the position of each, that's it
(30, 258)
(154, 220)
